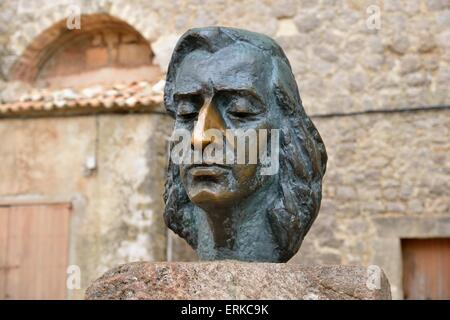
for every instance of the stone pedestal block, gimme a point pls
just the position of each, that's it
(239, 280)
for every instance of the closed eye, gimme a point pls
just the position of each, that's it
(241, 114)
(187, 116)
(188, 106)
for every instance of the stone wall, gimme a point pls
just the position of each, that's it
(341, 64)
(387, 178)
(388, 174)
(116, 216)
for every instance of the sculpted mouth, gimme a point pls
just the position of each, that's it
(205, 170)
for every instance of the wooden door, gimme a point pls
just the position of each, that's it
(4, 213)
(426, 268)
(34, 251)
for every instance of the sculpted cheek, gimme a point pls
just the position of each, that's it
(243, 172)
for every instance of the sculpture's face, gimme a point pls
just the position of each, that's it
(223, 90)
(223, 79)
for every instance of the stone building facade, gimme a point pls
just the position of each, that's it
(373, 75)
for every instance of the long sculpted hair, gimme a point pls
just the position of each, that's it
(302, 155)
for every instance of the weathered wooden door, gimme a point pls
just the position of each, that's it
(34, 251)
(426, 268)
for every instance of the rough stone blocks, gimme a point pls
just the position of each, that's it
(239, 280)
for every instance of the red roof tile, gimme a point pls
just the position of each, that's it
(132, 96)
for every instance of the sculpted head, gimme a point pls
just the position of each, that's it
(222, 80)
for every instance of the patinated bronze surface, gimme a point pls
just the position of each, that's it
(224, 78)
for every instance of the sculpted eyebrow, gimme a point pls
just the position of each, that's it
(186, 94)
(244, 91)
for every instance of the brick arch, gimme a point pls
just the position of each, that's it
(55, 37)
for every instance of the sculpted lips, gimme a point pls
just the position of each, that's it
(204, 170)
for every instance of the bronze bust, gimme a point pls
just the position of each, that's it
(224, 78)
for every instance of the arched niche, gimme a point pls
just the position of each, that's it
(104, 50)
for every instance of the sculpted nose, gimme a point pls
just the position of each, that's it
(208, 118)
